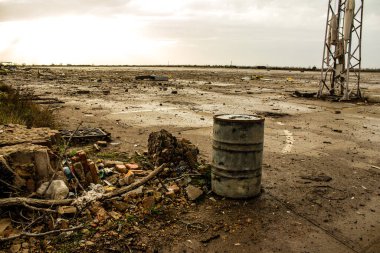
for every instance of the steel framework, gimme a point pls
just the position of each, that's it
(342, 55)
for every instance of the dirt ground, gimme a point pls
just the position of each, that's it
(304, 138)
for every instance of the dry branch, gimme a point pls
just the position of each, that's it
(26, 234)
(39, 209)
(133, 186)
(30, 202)
(19, 201)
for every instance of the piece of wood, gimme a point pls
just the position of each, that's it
(20, 201)
(26, 234)
(135, 185)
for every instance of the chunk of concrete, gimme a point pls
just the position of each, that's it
(42, 163)
(57, 190)
(193, 193)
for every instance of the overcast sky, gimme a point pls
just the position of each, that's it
(246, 32)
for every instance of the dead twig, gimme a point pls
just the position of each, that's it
(9, 185)
(39, 209)
(69, 140)
(33, 222)
(26, 234)
(64, 155)
(163, 185)
(20, 201)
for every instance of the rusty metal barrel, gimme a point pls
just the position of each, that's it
(237, 155)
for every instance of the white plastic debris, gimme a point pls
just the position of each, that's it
(95, 193)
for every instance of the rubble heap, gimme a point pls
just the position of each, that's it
(24, 167)
(109, 197)
(13, 134)
(163, 147)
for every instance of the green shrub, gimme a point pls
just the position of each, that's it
(18, 108)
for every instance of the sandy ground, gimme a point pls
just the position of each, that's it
(303, 137)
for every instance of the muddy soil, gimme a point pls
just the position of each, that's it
(305, 141)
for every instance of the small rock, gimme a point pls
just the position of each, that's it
(148, 202)
(120, 206)
(193, 192)
(85, 231)
(57, 190)
(89, 243)
(174, 188)
(170, 194)
(121, 168)
(15, 248)
(212, 199)
(115, 215)
(128, 179)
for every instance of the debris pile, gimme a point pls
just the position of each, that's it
(163, 147)
(152, 78)
(23, 168)
(96, 194)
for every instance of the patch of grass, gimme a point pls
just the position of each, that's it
(18, 108)
(73, 153)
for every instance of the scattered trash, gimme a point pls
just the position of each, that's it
(85, 135)
(304, 94)
(152, 78)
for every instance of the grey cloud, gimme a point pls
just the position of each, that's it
(290, 33)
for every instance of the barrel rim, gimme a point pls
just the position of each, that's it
(259, 118)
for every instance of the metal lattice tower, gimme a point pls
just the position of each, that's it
(342, 55)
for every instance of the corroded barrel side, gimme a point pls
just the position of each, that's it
(237, 155)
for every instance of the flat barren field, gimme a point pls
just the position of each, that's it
(321, 165)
